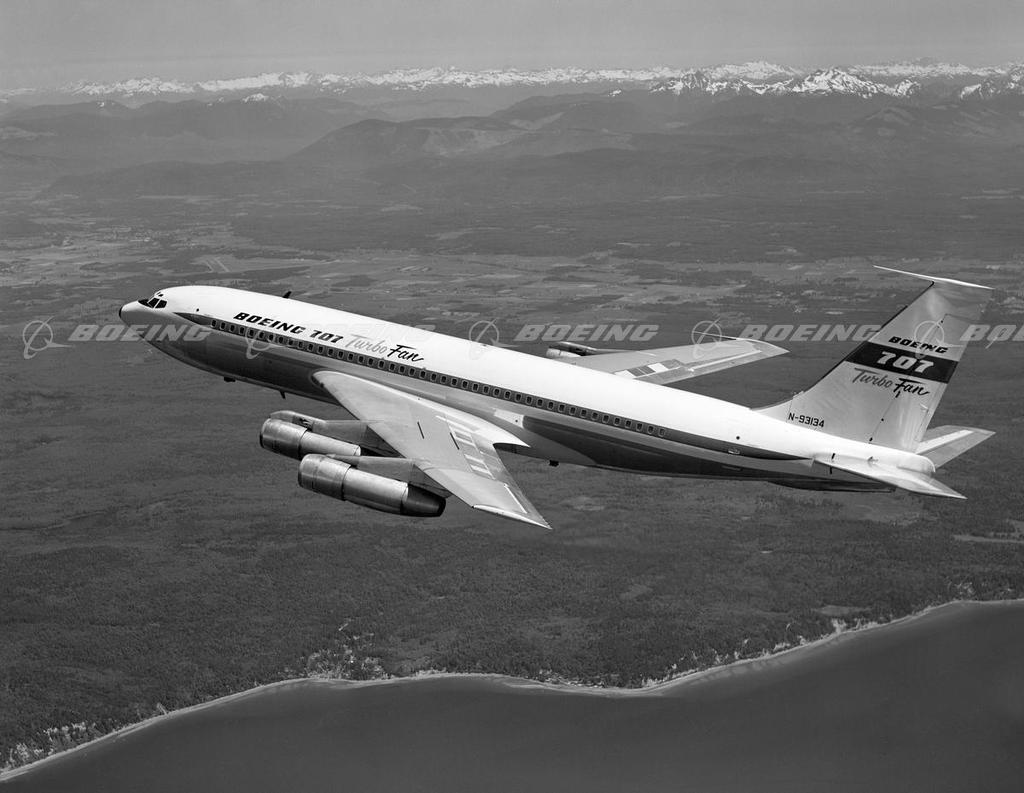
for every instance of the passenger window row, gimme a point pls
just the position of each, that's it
(436, 377)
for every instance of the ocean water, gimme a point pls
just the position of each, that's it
(933, 703)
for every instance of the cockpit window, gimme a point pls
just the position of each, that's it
(152, 302)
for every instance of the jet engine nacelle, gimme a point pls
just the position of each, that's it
(338, 479)
(294, 440)
(357, 432)
(570, 349)
(554, 352)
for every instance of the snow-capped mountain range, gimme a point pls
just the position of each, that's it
(903, 79)
(1009, 82)
(819, 83)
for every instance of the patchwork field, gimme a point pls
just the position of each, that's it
(152, 556)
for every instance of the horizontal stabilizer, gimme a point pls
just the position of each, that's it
(913, 481)
(951, 282)
(942, 444)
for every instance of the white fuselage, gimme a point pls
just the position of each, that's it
(561, 412)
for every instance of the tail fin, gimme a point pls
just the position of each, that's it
(887, 390)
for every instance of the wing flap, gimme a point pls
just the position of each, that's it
(672, 364)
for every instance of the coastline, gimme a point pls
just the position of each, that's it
(678, 684)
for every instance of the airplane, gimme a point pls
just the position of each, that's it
(427, 414)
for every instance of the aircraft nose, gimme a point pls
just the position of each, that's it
(128, 313)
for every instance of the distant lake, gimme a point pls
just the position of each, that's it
(932, 703)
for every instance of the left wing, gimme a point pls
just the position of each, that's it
(454, 448)
(671, 364)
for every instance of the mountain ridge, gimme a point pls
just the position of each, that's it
(902, 78)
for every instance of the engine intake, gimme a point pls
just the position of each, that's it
(294, 440)
(357, 432)
(570, 349)
(338, 479)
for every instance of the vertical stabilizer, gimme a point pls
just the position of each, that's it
(888, 388)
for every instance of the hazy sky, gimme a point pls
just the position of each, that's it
(47, 42)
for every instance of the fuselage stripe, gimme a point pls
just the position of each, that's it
(487, 390)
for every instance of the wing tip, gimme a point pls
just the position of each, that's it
(768, 349)
(504, 513)
(765, 348)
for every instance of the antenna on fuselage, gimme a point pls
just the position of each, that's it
(287, 294)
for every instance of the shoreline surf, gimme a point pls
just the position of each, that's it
(745, 671)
